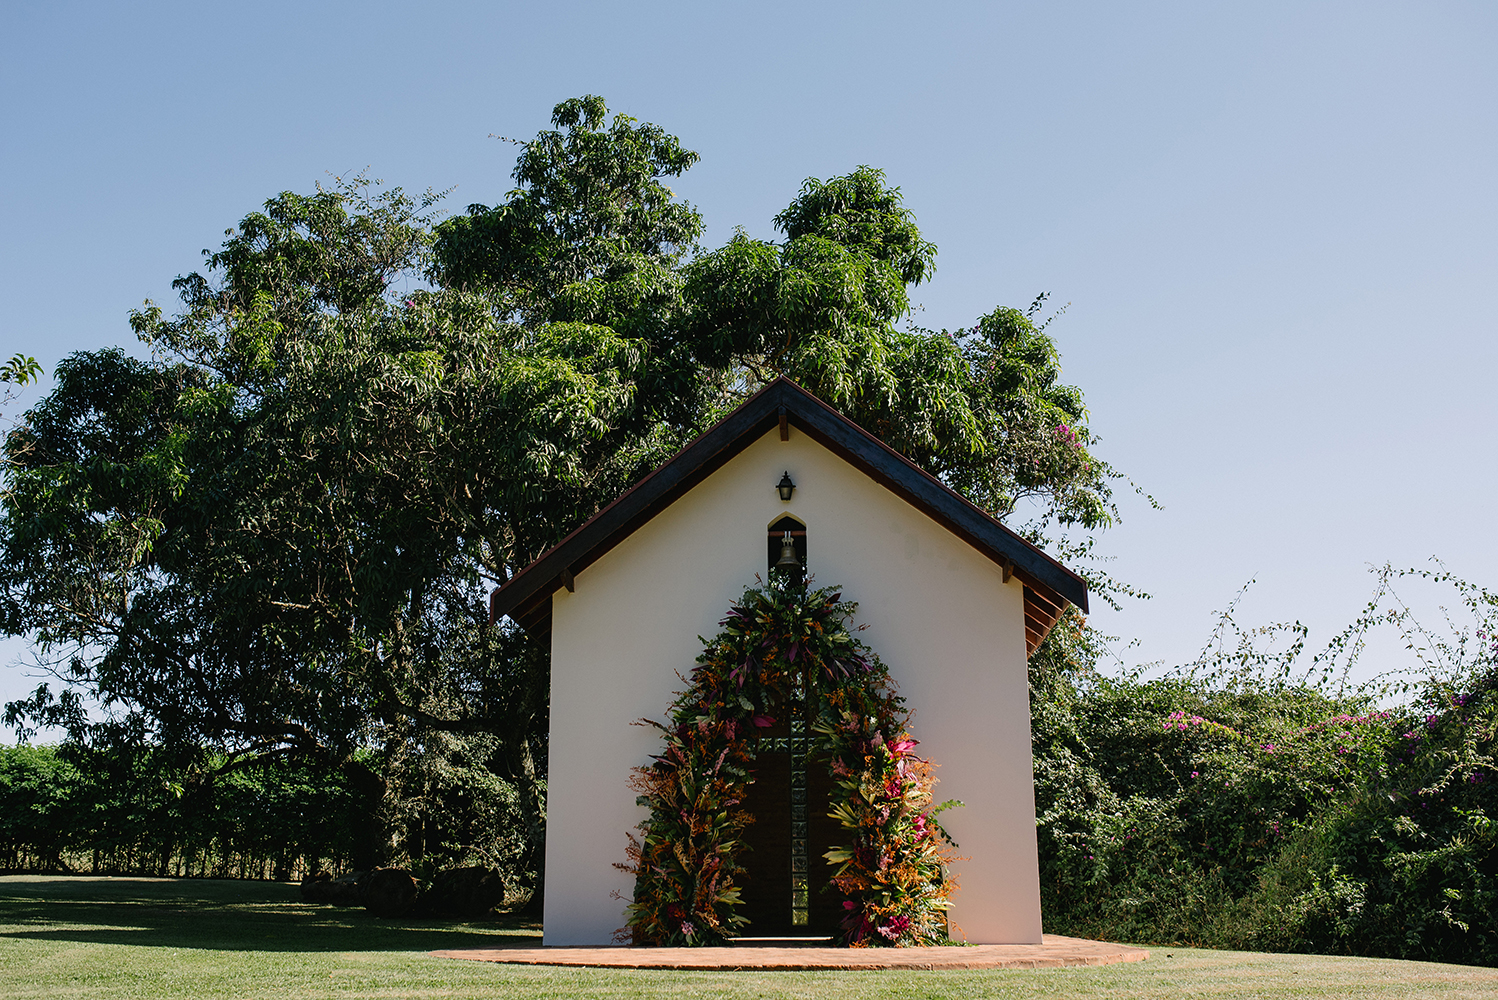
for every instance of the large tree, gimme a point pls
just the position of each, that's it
(276, 536)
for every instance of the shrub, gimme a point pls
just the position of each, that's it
(1231, 805)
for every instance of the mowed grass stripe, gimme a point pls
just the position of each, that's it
(160, 938)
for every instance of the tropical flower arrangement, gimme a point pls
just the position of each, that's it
(894, 872)
(779, 639)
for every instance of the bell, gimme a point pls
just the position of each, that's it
(788, 558)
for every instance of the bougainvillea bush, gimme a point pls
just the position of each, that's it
(1159, 802)
(1266, 811)
(893, 867)
(1407, 864)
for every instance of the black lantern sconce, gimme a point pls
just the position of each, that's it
(785, 487)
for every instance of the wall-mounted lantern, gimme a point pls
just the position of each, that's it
(786, 488)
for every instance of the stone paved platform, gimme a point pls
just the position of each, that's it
(1052, 952)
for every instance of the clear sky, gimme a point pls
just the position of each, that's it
(1276, 224)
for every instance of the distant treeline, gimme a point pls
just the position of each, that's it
(71, 809)
(127, 806)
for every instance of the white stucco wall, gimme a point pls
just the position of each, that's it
(940, 616)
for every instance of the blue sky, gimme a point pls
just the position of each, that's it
(1274, 223)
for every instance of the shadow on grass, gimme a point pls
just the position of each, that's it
(226, 915)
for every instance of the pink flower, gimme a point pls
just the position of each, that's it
(763, 721)
(896, 926)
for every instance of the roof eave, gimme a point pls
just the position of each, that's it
(531, 587)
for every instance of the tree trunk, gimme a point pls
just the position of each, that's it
(533, 811)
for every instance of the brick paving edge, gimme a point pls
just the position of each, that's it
(1091, 953)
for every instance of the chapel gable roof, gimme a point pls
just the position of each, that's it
(526, 598)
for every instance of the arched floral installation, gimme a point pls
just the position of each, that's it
(893, 869)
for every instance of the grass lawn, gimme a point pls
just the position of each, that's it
(127, 937)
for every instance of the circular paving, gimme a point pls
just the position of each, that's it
(1053, 952)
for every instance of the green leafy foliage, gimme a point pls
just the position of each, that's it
(126, 807)
(20, 369)
(1238, 805)
(134, 811)
(590, 220)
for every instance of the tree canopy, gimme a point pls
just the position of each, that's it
(277, 534)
